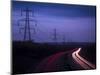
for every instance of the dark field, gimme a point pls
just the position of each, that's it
(27, 55)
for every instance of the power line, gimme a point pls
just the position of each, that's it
(26, 27)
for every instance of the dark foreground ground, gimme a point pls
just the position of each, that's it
(27, 55)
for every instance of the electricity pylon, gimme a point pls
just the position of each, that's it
(55, 36)
(64, 39)
(25, 22)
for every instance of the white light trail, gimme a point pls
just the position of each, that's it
(80, 60)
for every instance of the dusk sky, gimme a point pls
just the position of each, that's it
(76, 22)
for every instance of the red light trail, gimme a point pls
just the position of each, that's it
(49, 63)
(81, 61)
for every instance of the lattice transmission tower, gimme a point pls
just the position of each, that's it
(26, 23)
(55, 35)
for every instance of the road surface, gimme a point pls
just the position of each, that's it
(71, 60)
(81, 61)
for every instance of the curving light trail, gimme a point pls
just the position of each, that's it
(49, 63)
(81, 61)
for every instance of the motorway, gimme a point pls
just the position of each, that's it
(81, 61)
(53, 62)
